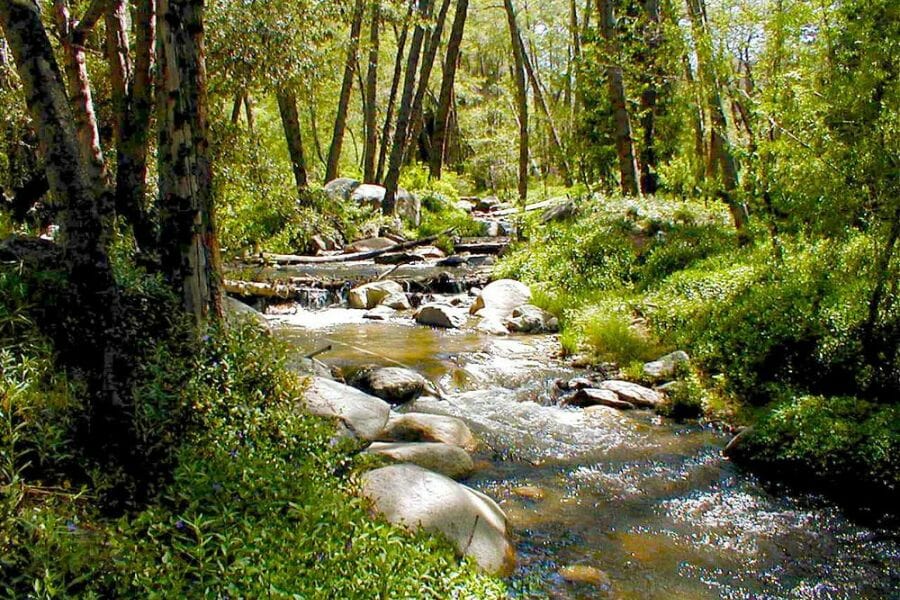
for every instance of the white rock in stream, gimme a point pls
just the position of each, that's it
(364, 415)
(415, 498)
(501, 297)
(421, 427)
(666, 366)
(370, 295)
(446, 459)
(441, 315)
(638, 395)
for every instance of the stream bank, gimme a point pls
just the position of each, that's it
(605, 503)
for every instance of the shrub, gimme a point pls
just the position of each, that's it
(837, 441)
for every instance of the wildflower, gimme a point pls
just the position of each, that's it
(179, 525)
(217, 487)
(233, 453)
(70, 525)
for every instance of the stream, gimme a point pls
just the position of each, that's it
(648, 502)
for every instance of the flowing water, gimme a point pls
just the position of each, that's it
(650, 503)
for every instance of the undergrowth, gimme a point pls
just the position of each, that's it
(258, 500)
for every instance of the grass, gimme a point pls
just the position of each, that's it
(258, 501)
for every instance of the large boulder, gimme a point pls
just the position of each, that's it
(638, 395)
(341, 188)
(441, 315)
(236, 311)
(413, 497)
(408, 206)
(364, 415)
(665, 367)
(424, 427)
(446, 459)
(392, 384)
(531, 319)
(371, 295)
(501, 297)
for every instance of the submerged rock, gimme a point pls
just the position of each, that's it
(441, 315)
(638, 395)
(364, 415)
(392, 384)
(422, 427)
(446, 459)
(371, 295)
(415, 498)
(665, 367)
(501, 297)
(585, 574)
(492, 326)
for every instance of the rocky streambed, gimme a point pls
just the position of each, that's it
(598, 502)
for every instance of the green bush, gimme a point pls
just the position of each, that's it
(838, 441)
(258, 502)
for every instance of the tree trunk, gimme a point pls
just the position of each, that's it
(649, 98)
(405, 112)
(72, 34)
(290, 121)
(445, 100)
(431, 48)
(545, 109)
(392, 97)
(190, 248)
(371, 97)
(720, 154)
(133, 101)
(91, 297)
(616, 82)
(521, 98)
(340, 120)
(236, 106)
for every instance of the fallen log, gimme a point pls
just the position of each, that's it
(284, 291)
(291, 259)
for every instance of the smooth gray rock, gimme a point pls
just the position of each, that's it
(371, 295)
(364, 415)
(638, 395)
(235, 311)
(492, 326)
(392, 384)
(446, 459)
(341, 188)
(441, 315)
(415, 498)
(424, 427)
(665, 367)
(380, 313)
(397, 301)
(593, 397)
(369, 244)
(501, 297)
(531, 319)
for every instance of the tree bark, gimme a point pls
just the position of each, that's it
(340, 120)
(290, 121)
(91, 297)
(649, 98)
(551, 123)
(622, 121)
(371, 96)
(405, 113)
(392, 97)
(132, 93)
(190, 247)
(72, 35)
(521, 98)
(720, 155)
(445, 99)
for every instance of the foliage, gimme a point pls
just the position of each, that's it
(259, 502)
(841, 440)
